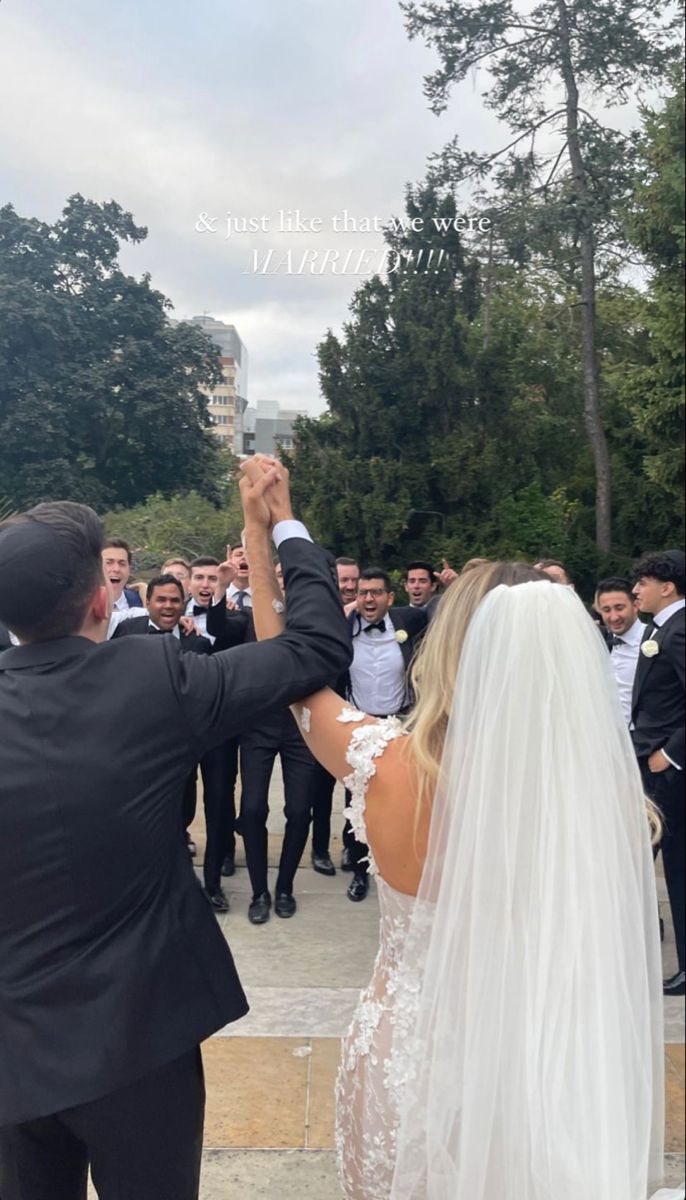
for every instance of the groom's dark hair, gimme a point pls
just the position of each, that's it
(50, 566)
(669, 566)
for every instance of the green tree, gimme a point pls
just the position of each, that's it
(100, 394)
(188, 525)
(540, 59)
(655, 389)
(435, 434)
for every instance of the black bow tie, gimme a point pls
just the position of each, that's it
(151, 629)
(617, 641)
(199, 609)
(381, 625)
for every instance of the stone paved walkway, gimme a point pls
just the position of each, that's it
(270, 1077)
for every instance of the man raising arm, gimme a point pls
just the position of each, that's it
(106, 938)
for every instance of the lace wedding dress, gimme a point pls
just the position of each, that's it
(510, 1043)
(370, 1077)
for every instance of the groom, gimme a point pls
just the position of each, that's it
(112, 966)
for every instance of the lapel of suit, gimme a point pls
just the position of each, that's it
(406, 645)
(654, 633)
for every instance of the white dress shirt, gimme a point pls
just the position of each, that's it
(200, 620)
(175, 632)
(232, 591)
(624, 659)
(120, 614)
(668, 612)
(377, 672)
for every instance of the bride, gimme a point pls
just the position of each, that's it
(509, 1045)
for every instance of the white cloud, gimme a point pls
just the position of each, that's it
(252, 108)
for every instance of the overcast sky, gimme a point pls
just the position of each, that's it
(176, 111)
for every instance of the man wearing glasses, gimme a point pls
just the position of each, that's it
(384, 641)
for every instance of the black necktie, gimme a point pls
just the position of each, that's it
(239, 600)
(198, 610)
(381, 625)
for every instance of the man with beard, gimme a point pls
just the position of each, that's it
(383, 647)
(615, 602)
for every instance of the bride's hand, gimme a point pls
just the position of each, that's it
(254, 486)
(278, 497)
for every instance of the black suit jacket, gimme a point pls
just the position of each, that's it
(188, 642)
(5, 642)
(229, 628)
(658, 696)
(111, 959)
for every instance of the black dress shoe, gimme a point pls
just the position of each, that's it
(323, 864)
(284, 905)
(218, 900)
(347, 863)
(258, 912)
(676, 986)
(228, 866)
(358, 888)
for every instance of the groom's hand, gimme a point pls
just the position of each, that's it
(278, 496)
(253, 486)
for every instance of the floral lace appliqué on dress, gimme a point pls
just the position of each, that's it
(368, 1086)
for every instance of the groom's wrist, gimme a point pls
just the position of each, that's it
(289, 528)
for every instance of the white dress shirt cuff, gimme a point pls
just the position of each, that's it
(671, 760)
(289, 529)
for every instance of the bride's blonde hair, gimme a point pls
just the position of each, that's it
(434, 670)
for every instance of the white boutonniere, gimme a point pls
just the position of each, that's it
(401, 635)
(650, 648)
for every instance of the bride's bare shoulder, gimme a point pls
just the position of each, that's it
(397, 822)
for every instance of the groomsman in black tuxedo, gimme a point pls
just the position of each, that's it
(166, 601)
(384, 640)
(659, 724)
(116, 561)
(277, 735)
(113, 969)
(616, 606)
(219, 768)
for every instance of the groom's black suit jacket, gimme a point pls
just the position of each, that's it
(658, 696)
(111, 960)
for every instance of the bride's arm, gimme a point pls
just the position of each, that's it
(325, 720)
(326, 723)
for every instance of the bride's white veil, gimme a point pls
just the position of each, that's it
(531, 1039)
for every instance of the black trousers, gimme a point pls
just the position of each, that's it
(143, 1142)
(219, 769)
(322, 801)
(259, 748)
(666, 790)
